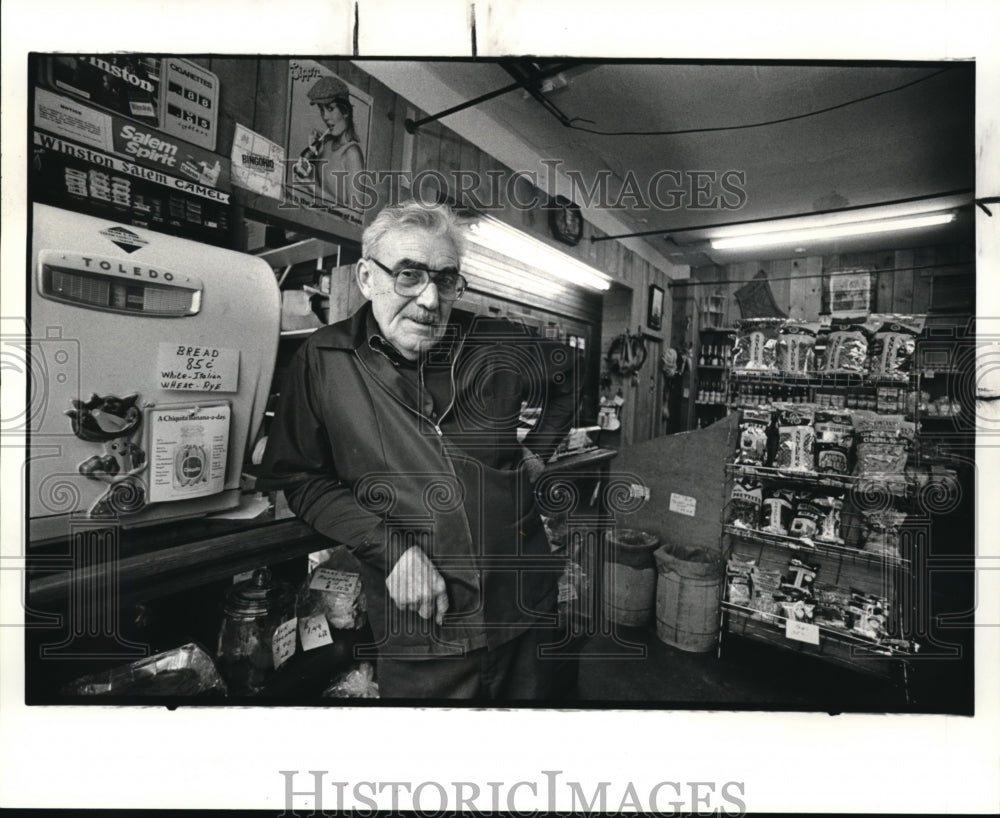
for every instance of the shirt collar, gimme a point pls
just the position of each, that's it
(440, 352)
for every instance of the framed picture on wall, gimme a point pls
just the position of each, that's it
(654, 320)
(327, 142)
(850, 292)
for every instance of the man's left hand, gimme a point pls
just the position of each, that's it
(414, 584)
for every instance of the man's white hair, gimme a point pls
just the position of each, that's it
(438, 219)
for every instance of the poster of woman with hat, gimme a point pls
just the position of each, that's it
(328, 131)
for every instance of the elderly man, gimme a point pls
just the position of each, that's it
(397, 433)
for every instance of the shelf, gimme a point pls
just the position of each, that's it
(306, 250)
(717, 329)
(899, 485)
(859, 646)
(712, 366)
(167, 559)
(822, 549)
(831, 380)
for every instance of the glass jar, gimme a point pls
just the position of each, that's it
(252, 612)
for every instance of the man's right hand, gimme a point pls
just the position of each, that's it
(416, 585)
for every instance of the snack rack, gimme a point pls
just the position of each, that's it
(876, 587)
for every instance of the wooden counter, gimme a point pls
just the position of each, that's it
(146, 563)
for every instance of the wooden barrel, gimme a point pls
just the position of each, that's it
(629, 583)
(688, 590)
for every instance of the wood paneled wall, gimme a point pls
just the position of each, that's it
(938, 281)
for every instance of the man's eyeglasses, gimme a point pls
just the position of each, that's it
(411, 281)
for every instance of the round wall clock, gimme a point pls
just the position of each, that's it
(566, 221)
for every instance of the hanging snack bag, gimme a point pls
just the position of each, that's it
(799, 579)
(868, 615)
(765, 579)
(756, 344)
(765, 584)
(846, 347)
(828, 530)
(796, 437)
(776, 511)
(795, 349)
(832, 603)
(883, 443)
(744, 504)
(881, 532)
(798, 610)
(754, 423)
(834, 431)
(893, 344)
(807, 517)
(739, 572)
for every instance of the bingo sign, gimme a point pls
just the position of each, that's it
(189, 102)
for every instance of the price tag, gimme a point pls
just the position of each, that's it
(637, 492)
(314, 632)
(335, 582)
(682, 504)
(283, 643)
(801, 631)
(566, 593)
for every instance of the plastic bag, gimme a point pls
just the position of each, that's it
(776, 516)
(754, 425)
(834, 441)
(744, 504)
(893, 344)
(357, 683)
(881, 532)
(846, 347)
(755, 349)
(796, 437)
(795, 348)
(335, 594)
(883, 443)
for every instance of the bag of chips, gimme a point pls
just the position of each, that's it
(738, 572)
(869, 615)
(765, 607)
(846, 348)
(743, 510)
(832, 604)
(800, 578)
(807, 516)
(893, 344)
(796, 437)
(883, 443)
(754, 424)
(795, 349)
(756, 344)
(776, 511)
(834, 430)
(828, 530)
(798, 610)
(881, 532)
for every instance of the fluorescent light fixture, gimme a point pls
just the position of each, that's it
(476, 264)
(832, 231)
(492, 234)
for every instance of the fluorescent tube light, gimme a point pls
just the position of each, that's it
(492, 234)
(833, 231)
(477, 265)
